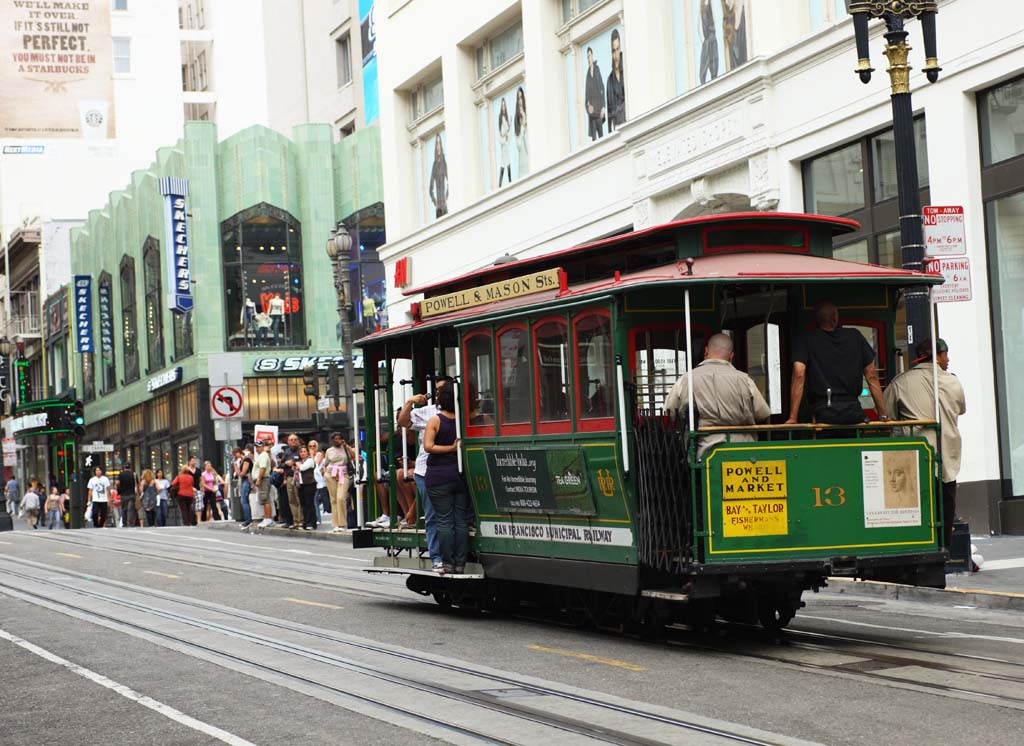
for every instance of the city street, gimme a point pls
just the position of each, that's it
(196, 636)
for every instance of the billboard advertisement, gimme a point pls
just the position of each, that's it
(56, 73)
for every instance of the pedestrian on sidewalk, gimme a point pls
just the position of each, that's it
(243, 475)
(286, 467)
(30, 507)
(12, 491)
(262, 468)
(910, 396)
(147, 497)
(337, 469)
(127, 487)
(162, 487)
(54, 507)
(320, 498)
(116, 516)
(209, 481)
(99, 489)
(183, 487)
(306, 467)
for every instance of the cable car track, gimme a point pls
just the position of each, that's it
(473, 698)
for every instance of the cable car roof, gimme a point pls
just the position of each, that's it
(738, 267)
(633, 239)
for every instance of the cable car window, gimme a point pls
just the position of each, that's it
(514, 371)
(594, 366)
(478, 367)
(551, 341)
(660, 360)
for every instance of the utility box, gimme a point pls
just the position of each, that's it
(959, 549)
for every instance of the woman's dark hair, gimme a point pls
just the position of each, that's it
(446, 398)
(502, 113)
(520, 93)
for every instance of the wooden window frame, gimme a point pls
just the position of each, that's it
(474, 431)
(550, 427)
(592, 424)
(514, 428)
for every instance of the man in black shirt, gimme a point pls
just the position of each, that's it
(127, 490)
(831, 362)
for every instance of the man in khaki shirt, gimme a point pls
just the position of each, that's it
(909, 397)
(721, 394)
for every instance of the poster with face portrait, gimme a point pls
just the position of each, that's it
(511, 147)
(603, 84)
(719, 37)
(892, 494)
(435, 172)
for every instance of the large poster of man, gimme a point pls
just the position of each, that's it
(511, 144)
(435, 168)
(604, 83)
(719, 31)
(56, 72)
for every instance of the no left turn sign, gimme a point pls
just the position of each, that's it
(226, 403)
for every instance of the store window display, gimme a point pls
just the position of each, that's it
(262, 252)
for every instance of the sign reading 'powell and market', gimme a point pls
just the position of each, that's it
(179, 271)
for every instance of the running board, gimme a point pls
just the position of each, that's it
(666, 595)
(421, 566)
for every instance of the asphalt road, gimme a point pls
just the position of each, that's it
(192, 636)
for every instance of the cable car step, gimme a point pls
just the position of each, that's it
(666, 595)
(417, 566)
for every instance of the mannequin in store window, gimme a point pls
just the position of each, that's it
(248, 322)
(275, 309)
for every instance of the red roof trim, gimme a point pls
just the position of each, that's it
(839, 225)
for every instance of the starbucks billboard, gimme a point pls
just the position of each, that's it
(56, 72)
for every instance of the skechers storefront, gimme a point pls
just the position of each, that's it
(236, 265)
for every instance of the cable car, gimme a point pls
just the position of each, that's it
(588, 496)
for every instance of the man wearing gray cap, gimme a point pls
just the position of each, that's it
(261, 480)
(910, 397)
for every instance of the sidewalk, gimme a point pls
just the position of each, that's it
(998, 585)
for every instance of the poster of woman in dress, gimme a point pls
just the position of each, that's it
(437, 188)
(604, 89)
(507, 115)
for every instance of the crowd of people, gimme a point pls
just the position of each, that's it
(37, 506)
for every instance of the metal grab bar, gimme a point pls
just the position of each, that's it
(816, 426)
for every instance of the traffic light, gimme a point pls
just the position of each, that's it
(311, 382)
(76, 418)
(334, 384)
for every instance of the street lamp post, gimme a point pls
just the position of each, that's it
(339, 249)
(896, 14)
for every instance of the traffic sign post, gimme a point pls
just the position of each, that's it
(945, 231)
(226, 403)
(957, 271)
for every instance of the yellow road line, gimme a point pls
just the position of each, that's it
(161, 574)
(588, 657)
(68, 554)
(10, 544)
(985, 593)
(311, 603)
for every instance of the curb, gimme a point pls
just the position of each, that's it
(949, 596)
(345, 538)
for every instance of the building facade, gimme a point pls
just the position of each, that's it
(527, 126)
(278, 64)
(258, 211)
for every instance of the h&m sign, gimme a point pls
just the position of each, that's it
(179, 271)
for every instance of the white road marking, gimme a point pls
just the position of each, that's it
(165, 710)
(888, 628)
(238, 545)
(1003, 564)
(311, 603)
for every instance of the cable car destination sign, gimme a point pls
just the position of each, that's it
(515, 287)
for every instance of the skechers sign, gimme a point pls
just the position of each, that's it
(179, 272)
(299, 363)
(83, 314)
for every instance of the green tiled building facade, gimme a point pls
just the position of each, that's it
(260, 209)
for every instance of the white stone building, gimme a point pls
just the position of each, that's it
(712, 124)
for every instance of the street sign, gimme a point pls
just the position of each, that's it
(957, 271)
(97, 446)
(224, 369)
(226, 403)
(267, 433)
(944, 231)
(227, 429)
(323, 403)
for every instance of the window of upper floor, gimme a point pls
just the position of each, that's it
(343, 59)
(122, 55)
(573, 8)
(822, 13)
(427, 98)
(499, 50)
